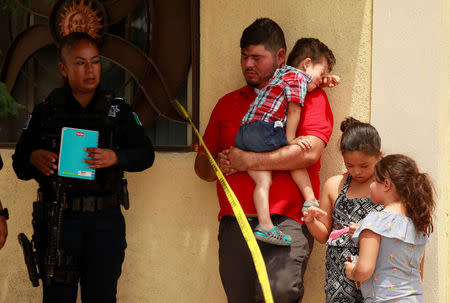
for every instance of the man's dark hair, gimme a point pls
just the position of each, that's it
(264, 31)
(73, 39)
(311, 48)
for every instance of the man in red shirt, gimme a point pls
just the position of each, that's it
(263, 50)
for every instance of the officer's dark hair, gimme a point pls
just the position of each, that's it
(72, 39)
(264, 31)
(359, 136)
(311, 48)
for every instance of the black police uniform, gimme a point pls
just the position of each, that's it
(93, 228)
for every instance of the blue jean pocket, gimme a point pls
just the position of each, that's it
(276, 137)
(260, 136)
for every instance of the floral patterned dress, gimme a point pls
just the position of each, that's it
(338, 288)
(397, 273)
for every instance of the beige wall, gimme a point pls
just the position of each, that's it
(410, 107)
(172, 222)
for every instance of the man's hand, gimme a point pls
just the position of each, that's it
(238, 159)
(44, 161)
(303, 141)
(330, 81)
(3, 231)
(224, 162)
(101, 157)
(312, 213)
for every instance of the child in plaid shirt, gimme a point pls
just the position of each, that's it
(277, 106)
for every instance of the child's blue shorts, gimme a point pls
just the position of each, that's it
(260, 136)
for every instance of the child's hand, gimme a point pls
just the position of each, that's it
(311, 213)
(330, 81)
(303, 141)
(349, 266)
(352, 227)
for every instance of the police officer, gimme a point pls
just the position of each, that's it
(93, 228)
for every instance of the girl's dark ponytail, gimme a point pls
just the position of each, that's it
(420, 191)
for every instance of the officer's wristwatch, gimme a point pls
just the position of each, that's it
(4, 213)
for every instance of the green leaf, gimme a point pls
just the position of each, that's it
(8, 106)
(10, 7)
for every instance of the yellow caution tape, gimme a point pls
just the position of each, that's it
(246, 230)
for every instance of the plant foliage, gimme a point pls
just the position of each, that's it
(8, 106)
(10, 7)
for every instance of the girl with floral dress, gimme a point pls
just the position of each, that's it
(392, 241)
(344, 199)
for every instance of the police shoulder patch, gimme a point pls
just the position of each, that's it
(136, 118)
(113, 110)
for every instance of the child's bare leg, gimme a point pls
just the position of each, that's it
(266, 231)
(263, 181)
(301, 178)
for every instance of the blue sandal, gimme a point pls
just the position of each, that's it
(308, 204)
(274, 236)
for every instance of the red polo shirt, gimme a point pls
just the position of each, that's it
(285, 198)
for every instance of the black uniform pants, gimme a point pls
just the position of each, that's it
(98, 239)
(285, 265)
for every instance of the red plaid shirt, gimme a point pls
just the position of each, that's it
(288, 84)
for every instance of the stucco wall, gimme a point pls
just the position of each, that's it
(172, 225)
